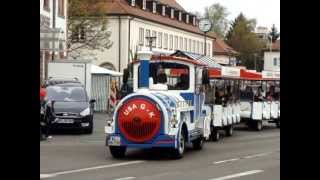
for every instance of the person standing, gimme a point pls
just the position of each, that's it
(113, 99)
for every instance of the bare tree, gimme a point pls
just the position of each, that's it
(87, 28)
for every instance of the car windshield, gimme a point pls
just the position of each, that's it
(67, 93)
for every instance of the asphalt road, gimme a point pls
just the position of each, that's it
(247, 155)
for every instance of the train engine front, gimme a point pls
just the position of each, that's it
(153, 116)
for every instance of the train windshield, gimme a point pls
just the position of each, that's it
(175, 76)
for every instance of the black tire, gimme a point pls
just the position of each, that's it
(89, 129)
(117, 151)
(178, 153)
(258, 125)
(229, 130)
(215, 135)
(278, 123)
(198, 143)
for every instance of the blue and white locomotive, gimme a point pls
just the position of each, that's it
(165, 108)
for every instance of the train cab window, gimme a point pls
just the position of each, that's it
(175, 76)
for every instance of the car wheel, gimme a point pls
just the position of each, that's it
(118, 151)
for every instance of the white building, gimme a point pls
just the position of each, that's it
(53, 20)
(272, 57)
(262, 33)
(131, 21)
(224, 54)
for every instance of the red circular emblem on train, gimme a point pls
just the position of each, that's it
(139, 120)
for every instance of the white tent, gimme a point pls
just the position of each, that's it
(100, 70)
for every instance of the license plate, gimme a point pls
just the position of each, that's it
(65, 121)
(114, 141)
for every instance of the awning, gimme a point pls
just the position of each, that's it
(100, 70)
(250, 75)
(199, 57)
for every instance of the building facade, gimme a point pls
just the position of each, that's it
(131, 21)
(53, 28)
(224, 54)
(272, 57)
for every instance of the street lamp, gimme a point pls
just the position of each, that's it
(151, 39)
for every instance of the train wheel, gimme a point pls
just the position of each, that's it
(117, 151)
(178, 153)
(259, 125)
(229, 130)
(215, 135)
(278, 123)
(198, 143)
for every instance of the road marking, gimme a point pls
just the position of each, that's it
(245, 157)
(125, 178)
(43, 176)
(224, 161)
(238, 175)
(88, 169)
(256, 155)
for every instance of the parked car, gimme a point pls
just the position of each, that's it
(54, 81)
(69, 107)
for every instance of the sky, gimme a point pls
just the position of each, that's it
(266, 12)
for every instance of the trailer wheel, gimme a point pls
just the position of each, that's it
(117, 151)
(278, 123)
(215, 135)
(258, 125)
(178, 153)
(198, 143)
(229, 130)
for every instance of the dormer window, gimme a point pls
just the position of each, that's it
(163, 10)
(187, 18)
(194, 20)
(133, 2)
(172, 13)
(180, 16)
(144, 4)
(154, 7)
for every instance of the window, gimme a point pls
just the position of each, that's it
(159, 39)
(61, 8)
(46, 5)
(185, 44)
(163, 10)
(165, 46)
(181, 43)
(172, 13)
(171, 42)
(133, 2)
(198, 47)
(194, 20)
(194, 46)
(175, 42)
(144, 4)
(79, 34)
(154, 34)
(201, 48)
(175, 76)
(154, 7)
(141, 36)
(275, 61)
(187, 18)
(147, 35)
(180, 15)
(190, 45)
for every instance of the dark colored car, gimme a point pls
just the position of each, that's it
(54, 81)
(69, 107)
